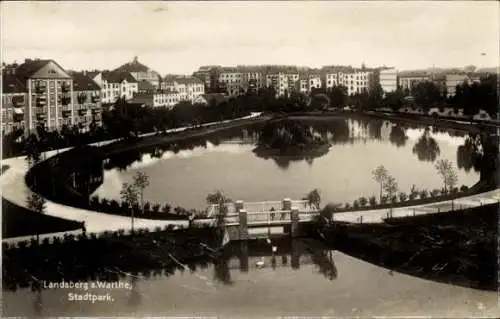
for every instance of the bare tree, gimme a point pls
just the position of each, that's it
(129, 195)
(314, 198)
(380, 175)
(447, 172)
(141, 182)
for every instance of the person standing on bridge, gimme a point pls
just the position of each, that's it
(272, 213)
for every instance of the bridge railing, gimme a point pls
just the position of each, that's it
(274, 216)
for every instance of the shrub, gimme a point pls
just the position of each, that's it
(454, 190)
(412, 195)
(424, 194)
(355, 204)
(157, 229)
(384, 200)
(464, 188)
(166, 209)
(347, 205)
(402, 197)
(156, 208)
(104, 205)
(363, 201)
(45, 241)
(114, 206)
(94, 201)
(394, 199)
(372, 200)
(147, 207)
(22, 244)
(435, 193)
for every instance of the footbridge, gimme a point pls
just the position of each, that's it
(241, 216)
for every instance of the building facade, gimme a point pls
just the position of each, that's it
(160, 98)
(116, 85)
(452, 80)
(14, 103)
(388, 80)
(87, 105)
(409, 80)
(356, 82)
(49, 94)
(186, 87)
(231, 80)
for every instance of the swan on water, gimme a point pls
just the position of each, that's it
(260, 263)
(268, 241)
(275, 249)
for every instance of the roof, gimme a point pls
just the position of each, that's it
(92, 74)
(11, 84)
(145, 85)
(30, 67)
(134, 66)
(118, 77)
(182, 79)
(82, 82)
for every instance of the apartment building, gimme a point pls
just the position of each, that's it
(282, 82)
(188, 88)
(48, 92)
(231, 80)
(116, 85)
(331, 80)
(160, 98)
(87, 108)
(357, 81)
(14, 103)
(140, 72)
(388, 80)
(252, 78)
(314, 81)
(408, 80)
(452, 80)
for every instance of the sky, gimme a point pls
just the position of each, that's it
(178, 37)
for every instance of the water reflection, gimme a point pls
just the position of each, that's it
(426, 148)
(398, 136)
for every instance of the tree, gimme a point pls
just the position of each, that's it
(380, 175)
(375, 97)
(129, 195)
(314, 198)
(219, 199)
(32, 147)
(141, 182)
(37, 204)
(390, 187)
(338, 96)
(445, 169)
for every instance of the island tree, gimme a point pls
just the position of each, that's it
(141, 182)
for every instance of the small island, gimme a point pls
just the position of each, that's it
(291, 139)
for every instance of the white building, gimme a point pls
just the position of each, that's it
(452, 80)
(355, 82)
(331, 80)
(116, 85)
(187, 87)
(166, 99)
(389, 80)
(314, 81)
(232, 81)
(282, 82)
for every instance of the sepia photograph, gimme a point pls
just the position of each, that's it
(250, 159)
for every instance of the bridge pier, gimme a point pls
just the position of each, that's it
(238, 205)
(243, 224)
(295, 222)
(287, 204)
(243, 256)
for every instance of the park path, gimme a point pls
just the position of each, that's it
(14, 190)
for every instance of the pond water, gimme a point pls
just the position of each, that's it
(302, 278)
(184, 177)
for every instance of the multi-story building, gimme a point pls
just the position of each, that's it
(49, 94)
(116, 85)
(253, 78)
(14, 102)
(282, 82)
(303, 84)
(140, 72)
(452, 80)
(209, 75)
(357, 81)
(408, 80)
(331, 80)
(160, 98)
(87, 108)
(187, 87)
(314, 81)
(388, 80)
(232, 81)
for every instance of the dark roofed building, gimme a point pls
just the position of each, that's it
(82, 82)
(146, 87)
(118, 77)
(140, 72)
(11, 84)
